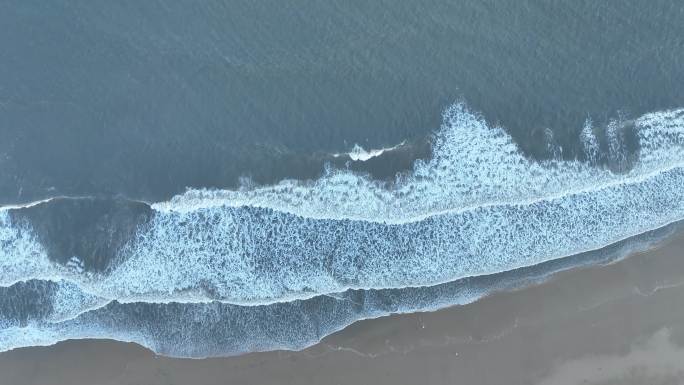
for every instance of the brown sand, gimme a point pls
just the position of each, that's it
(616, 324)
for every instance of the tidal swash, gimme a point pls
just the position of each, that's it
(265, 267)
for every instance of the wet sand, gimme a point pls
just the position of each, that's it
(616, 324)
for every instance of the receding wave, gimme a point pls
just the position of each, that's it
(317, 249)
(53, 311)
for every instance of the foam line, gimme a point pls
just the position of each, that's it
(358, 153)
(472, 165)
(217, 329)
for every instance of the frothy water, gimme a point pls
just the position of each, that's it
(217, 329)
(298, 249)
(472, 165)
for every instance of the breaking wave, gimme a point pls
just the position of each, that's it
(328, 252)
(360, 154)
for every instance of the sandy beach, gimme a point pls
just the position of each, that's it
(616, 324)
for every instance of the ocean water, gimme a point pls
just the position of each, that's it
(216, 178)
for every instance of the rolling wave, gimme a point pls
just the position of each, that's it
(477, 208)
(219, 329)
(472, 165)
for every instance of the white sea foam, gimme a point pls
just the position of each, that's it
(472, 165)
(21, 255)
(69, 300)
(35, 203)
(211, 329)
(359, 154)
(590, 142)
(257, 256)
(478, 206)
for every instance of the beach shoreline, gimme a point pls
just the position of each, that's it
(620, 322)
